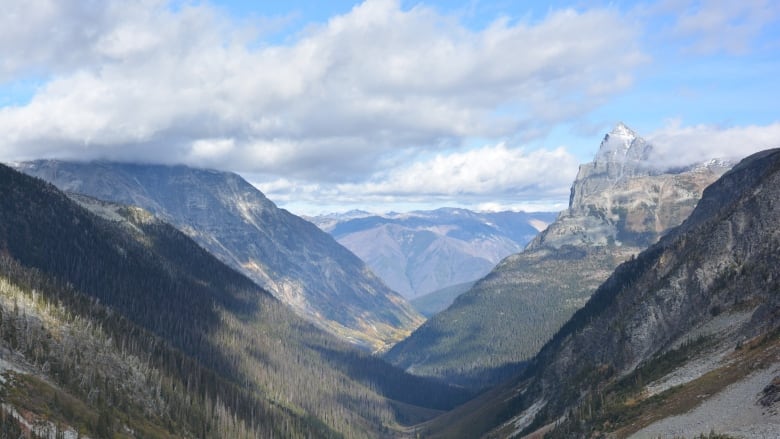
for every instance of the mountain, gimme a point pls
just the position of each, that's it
(682, 340)
(619, 205)
(619, 198)
(420, 252)
(115, 324)
(290, 257)
(439, 300)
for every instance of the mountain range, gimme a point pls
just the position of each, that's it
(115, 324)
(290, 257)
(649, 308)
(680, 341)
(619, 204)
(421, 252)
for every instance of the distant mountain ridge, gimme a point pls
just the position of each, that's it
(419, 252)
(678, 342)
(289, 256)
(619, 205)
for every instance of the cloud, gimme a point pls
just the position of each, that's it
(140, 81)
(492, 175)
(676, 145)
(49, 35)
(488, 170)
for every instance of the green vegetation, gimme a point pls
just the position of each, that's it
(230, 218)
(487, 334)
(132, 325)
(437, 301)
(9, 427)
(609, 407)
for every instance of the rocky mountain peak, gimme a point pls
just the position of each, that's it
(620, 197)
(616, 143)
(622, 129)
(534, 292)
(622, 153)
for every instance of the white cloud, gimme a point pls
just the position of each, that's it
(139, 81)
(47, 35)
(678, 145)
(498, 177)
(483, 178)
(488, 170)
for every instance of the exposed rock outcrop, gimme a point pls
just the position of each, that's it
(621, 199)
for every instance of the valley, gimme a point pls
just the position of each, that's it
(133, 329)
(645, 309)
(288, 256)
(672, 332)
(389, 219)
(619, 205)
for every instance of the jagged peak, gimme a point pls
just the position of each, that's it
(622, 130)
(622, 144)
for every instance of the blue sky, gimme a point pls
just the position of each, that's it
(385, 104)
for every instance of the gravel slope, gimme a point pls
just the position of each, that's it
(733, 411)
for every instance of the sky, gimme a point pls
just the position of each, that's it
(388, 105)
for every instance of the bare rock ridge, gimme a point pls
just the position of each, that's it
(301, 265)
(619, 205)
(692, 319)
(623, 153)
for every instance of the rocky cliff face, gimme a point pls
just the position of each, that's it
(619, 206)
(292, 258)
(692, 316)
(620, 199)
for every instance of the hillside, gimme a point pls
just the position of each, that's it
(120, 324)
(437, 301)
(683, 332)
(420, 252)
(290, 257)
(619, 205)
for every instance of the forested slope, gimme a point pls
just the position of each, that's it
(208, 352)
(290, 257)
